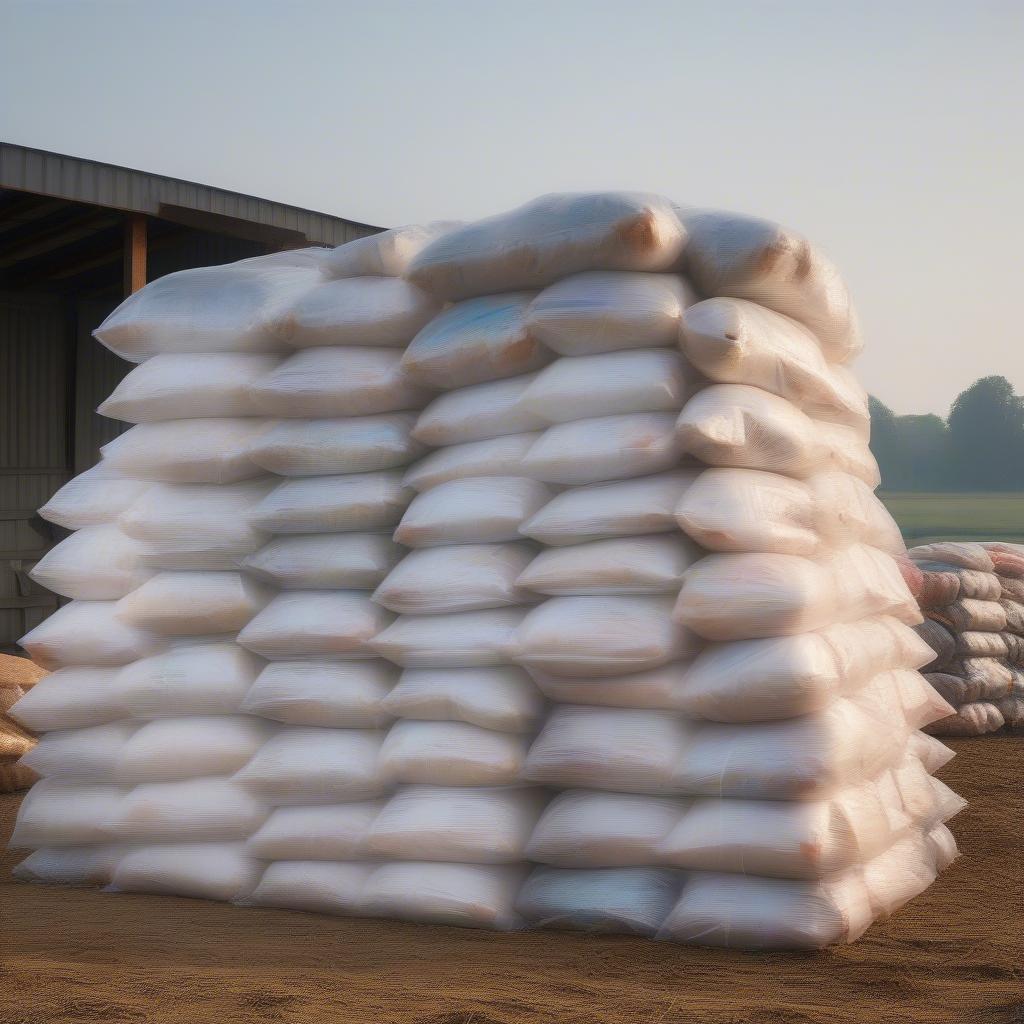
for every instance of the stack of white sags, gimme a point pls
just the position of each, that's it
(518, 573)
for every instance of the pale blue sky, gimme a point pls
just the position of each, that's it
(888, 132)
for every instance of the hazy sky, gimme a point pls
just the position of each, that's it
(890, 133)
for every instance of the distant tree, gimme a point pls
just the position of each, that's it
(986, 437)
(925, 463)
(885, 443)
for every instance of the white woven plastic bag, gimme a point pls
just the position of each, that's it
(176, 386)
(97, 563)
(474, 341)
(603, 311)
(364, 311)
(549, 238)
(315, 624)
(478, 413)
(476, 510)
(361, 444)
(325, 561)
(342, 695)
(322, 504)
(463, 577)
(610, 384)
(323, 382)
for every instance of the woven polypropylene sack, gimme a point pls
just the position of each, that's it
(748, 258)
(495, 456)
(601, 636)
(733, 341)
(315, 624)
(193, 386)
(475, 510)
(97, 563)
(622, 508)
(200, 451)
(361, 444)
(605, 311)
(617, 566)
(325, 561)
(207, 309)
(462, 577)
(503, 698)
(325, 382)
(384, 253)
(474, 341)
(88, 633)
(362, 311)
(611, 383)
(194, 603)
(478, 413)
(341, 695)
(548, 239)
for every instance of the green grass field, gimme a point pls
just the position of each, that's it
(925, 517)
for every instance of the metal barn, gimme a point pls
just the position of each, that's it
(76, 236)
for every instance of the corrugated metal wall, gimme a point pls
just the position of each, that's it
(35, 447)
(53, 375)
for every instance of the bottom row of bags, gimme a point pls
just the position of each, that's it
(709, 908)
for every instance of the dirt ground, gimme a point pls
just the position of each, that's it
(956, 954)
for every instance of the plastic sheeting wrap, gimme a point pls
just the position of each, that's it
(518, 573)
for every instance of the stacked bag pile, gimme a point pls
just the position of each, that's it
(17, 677)
(972, 597)
(525, 572)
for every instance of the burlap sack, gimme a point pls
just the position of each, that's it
(15, 671)
(954, 689)
(993, 679)
(14, 741)
(1006, 560)
(981, 644)
(938, 589)
(981, 586)
(970, 613)
(971, 720)
(939, 639)
(14, 776)
(1014, 649)
(1012, 710)
(961, 554)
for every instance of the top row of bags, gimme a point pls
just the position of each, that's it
(292, 299)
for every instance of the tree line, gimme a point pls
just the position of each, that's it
(979, 447)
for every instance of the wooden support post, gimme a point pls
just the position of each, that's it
(134, 253)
